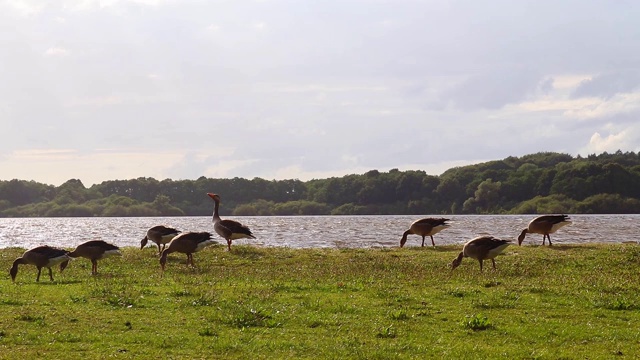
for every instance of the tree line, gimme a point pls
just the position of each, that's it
(545, 182)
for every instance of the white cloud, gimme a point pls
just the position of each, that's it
(213, 28)
(226, 168)
(56, 52)
(25, 7)
(292, 88)
(44, 154)
(600, 108)
(55, 166)
(112, 3)
(570, 82)
(610, 143)
(570, 107)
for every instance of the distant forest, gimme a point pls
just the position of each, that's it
(544, 182)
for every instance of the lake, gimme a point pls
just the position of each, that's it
(314, 231)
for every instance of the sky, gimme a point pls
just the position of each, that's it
(309, 89)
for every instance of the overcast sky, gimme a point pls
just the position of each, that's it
(120, 89)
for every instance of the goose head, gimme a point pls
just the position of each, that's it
(215, 197)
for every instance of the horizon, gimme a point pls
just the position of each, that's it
(306, 180)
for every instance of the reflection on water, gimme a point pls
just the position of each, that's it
(314, 231)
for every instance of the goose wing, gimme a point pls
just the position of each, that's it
(100, 244)
(163, 230)
(48, 251)
(487, 243)
(232, 228)
(551, 219)
(431, 221)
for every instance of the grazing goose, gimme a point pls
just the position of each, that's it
(425, 227)
(481, 248)
(187, 243)
(95, 250)
(228, 229)
(42, 256)
(160, 235)
(545, 225)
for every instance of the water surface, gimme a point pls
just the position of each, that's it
(314, 231)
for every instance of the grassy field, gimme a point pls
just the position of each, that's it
(572, 302)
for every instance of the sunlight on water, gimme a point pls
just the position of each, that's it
(314, 231)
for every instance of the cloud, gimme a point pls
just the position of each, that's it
(610, 143)
(619, 104)
(492, 90)
(569, 82)
(618, 133)
(213, 27)
(25, 8)
(56, 52)
(546, 85)
(44, 154)
(608, 85)
(55, 166)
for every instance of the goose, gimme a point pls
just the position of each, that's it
(95, 250)
(481, 248)
(545, 225)
(228, 229)
(425, 227)
(160, 235)
(187, 243)
(41, 256)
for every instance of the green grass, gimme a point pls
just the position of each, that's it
(563, 302)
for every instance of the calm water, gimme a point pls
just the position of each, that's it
(314, 231)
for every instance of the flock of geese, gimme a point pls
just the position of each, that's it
(169, 240)
(486, 247)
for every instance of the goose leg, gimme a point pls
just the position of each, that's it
(432, 242)
(494, 264)
(38, 277)
(549, 236)
(50, 274)
(480, 261)
(423, 240)
(94, 267)
(229, 244)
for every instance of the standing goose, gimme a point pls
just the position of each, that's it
(42, 256)
(160, 235)
(545, 225)
(228, 229)
(481, 248)
(425, 227)
(95, 250)
(187, 243)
